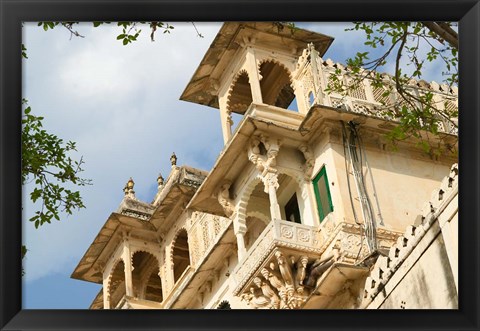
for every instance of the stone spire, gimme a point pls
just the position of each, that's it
(160, 180)
(173, 160)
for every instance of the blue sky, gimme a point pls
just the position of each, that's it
(121, 105)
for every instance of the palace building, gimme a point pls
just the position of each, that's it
(306, 207)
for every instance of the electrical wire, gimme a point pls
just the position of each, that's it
(344, 135)
(362, 146)
(370, 224)
(347, 166)
(356, 159)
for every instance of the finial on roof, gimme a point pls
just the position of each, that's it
(173, 159)
(160, 180)
(128, 189)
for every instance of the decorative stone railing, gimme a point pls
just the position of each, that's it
(279, 233)
(313, 74)
(179, 286)
(205, 232)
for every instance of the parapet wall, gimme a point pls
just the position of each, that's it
(421, 270)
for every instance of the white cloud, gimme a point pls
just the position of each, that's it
(120, 104)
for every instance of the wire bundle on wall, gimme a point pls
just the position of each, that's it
(355, 159)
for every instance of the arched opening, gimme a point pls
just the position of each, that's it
(311, 99)
(116, 289)
(146, 281)
(181, 254)
(255, 227)
(240, 95)
(258, 211)
(258, 207)
(276, 86)
(290, 199)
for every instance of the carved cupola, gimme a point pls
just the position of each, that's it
(249, 69)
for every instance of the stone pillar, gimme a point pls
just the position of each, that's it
(302, 104)
(254, 76)
(225, 119)
(266, 166)
(317, 81)
(270, 181)
(240, 228)
(106, 296)
(309, 203)
(127, 258)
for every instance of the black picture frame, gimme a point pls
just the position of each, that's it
(13, 12)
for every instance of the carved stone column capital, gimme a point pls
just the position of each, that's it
(265, 161)
(223, 197)
(270, 180)
(309, 160)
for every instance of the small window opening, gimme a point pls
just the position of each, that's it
(311, 98)
(181, 254)
(293, 105)
(322, 194)
(292, 211)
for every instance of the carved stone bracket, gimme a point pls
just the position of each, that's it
(223, 197)
(309, 160)
(264, 161)
(280, 285)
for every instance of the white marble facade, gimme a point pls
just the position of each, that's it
(287, 218)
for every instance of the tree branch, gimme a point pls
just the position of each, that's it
(442, 33)
(448, 29)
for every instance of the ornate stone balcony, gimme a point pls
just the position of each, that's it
(281, 240)
(292, 265)
(206, 232)
(313, 75)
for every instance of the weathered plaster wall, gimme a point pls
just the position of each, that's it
(429, 284)
(402, 183)
(421, 270)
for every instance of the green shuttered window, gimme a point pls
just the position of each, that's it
(322, 194)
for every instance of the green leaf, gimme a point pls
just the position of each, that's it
(45, 159)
